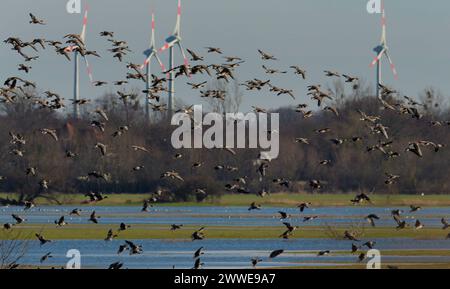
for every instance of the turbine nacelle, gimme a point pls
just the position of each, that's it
(171, 41)
(149, 52)
(379, 49)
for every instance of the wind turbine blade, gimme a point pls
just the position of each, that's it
(163, 68)
(89, 70)
(394, 70)
(377, 58)
(186, 60)
(383, 24)
(85, 19)
(178, 24)
(152, 39)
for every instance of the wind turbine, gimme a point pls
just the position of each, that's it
(150, 53)
(74, 48)
(382, 50)
(171, 41)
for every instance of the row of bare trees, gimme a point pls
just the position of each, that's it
(351, 166)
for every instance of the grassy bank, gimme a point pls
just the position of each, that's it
(281, 199)
(98, 232)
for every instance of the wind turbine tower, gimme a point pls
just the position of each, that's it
(171, 41)
(150, 53)
(76, 83)
(382, 50)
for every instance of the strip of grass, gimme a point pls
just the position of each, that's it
(280, 199)
(98, 232)
(362, 266)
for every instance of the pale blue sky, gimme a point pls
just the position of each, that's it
(315, 34)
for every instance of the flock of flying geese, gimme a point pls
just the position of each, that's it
(15, 87)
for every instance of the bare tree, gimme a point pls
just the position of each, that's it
(233, 97)
(13, 247)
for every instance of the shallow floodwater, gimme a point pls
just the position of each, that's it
(225, 216)
(225, 253)
(229, 253)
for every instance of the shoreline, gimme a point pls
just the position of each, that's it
(238, 200)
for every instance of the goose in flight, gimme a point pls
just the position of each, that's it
(214, 50)
(134, 249)
(94, 218)
(299, 71)
(371, 219)
(302, 140)
(329, 73)
(350, 79)
(35, 20)
(198, 253)
(276, 253)
(324, 253)
(45, 257)
(107, 34)
(414, 148)
(418, 225)
(266, 56)
(198, 264)
(140, 148)
(197, 85)
(361, 198)
(413, 208)
(290, 229)
(445, 224)
(198, 235)
(232, 58)
(50, 132)
(23, 67)
(61, 222)
(350, 236)
(175, 227)
(31, 171)
(124, 227)
(272, 71)
(41, 239)
(7, 226)
(255, 261)
(18, 219)
(254, 206)
(75, 212)
(172, 175)
(309, 218)
(28, 205)
(401, 224)
(369, 244)
(115, 266)
(110, 236)
(146, 206)
(283, 215)
(304, 206)
(195, 57)
(101, 147)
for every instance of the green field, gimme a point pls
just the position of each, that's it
(280, 199)
(98, 232)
